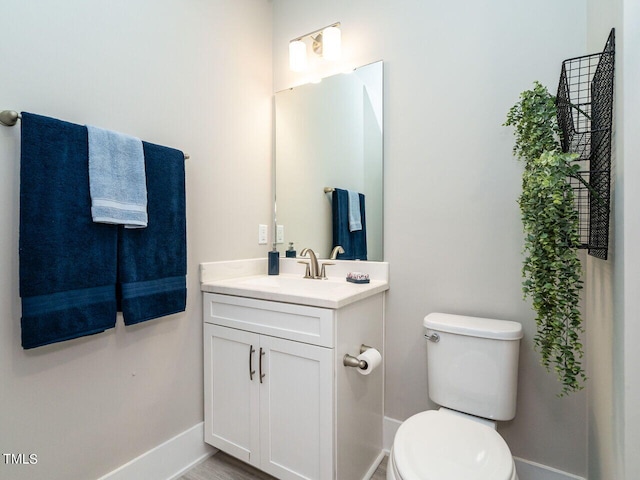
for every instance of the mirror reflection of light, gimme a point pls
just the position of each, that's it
(481, 456)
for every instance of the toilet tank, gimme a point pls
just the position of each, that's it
(473, 367)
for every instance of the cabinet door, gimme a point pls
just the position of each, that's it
(231, 392)
(296, 410)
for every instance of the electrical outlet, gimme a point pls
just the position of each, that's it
(280, 234)
(263, 232)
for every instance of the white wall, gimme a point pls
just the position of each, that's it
(626, 345)
(453, 234)
(613, 302)
(604, 414)
(192, 74)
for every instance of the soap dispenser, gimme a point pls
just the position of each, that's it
(290, 253)
(274, 261)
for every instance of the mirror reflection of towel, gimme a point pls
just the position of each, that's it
(355, 219)
(354, 243)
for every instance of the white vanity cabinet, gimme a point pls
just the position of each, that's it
(276, 393)
(259, 418)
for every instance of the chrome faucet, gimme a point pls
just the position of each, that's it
(312, 271)
(336, 250)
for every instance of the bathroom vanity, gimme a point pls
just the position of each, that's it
(277, 394)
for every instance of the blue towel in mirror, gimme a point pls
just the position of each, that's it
(354, 243)
(152, 262)
(67, 262)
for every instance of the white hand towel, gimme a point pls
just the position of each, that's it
(117, 181)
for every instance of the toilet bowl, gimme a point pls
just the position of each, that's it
(472, 366)
(439, 445)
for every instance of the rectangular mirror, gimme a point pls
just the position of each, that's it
(328, 135)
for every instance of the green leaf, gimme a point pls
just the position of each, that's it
(551, 269)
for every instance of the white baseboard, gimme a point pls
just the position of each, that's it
(389, 428)
(526, 469)
(374, 466)
(169, 460)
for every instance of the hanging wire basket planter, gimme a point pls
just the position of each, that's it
(585, 117)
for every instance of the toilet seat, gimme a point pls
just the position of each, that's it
(436, 445)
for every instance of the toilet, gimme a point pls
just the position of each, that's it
(473, 376)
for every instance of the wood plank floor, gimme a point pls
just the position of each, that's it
(224, 467)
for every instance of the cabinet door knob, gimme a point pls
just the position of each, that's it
(251, 370)
(262, 353)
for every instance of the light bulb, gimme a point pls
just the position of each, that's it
(331, 48)
(297, 55)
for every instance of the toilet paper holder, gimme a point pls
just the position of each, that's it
(351, 361)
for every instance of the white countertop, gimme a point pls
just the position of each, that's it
(248, 278)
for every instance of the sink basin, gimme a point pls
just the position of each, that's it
(292, 284)
(331, 293)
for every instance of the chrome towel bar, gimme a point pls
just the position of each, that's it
(9, 118)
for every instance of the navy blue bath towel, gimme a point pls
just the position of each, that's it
(67, 267)
(353, 243)
(152, 261)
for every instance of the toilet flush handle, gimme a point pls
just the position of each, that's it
(434, 337)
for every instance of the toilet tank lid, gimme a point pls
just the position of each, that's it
(473, 326)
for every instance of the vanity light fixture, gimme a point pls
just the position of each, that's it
(325, 42)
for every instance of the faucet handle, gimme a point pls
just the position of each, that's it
(307, 273)
(322, 271)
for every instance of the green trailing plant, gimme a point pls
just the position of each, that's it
(551, 270)
(535, 120)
